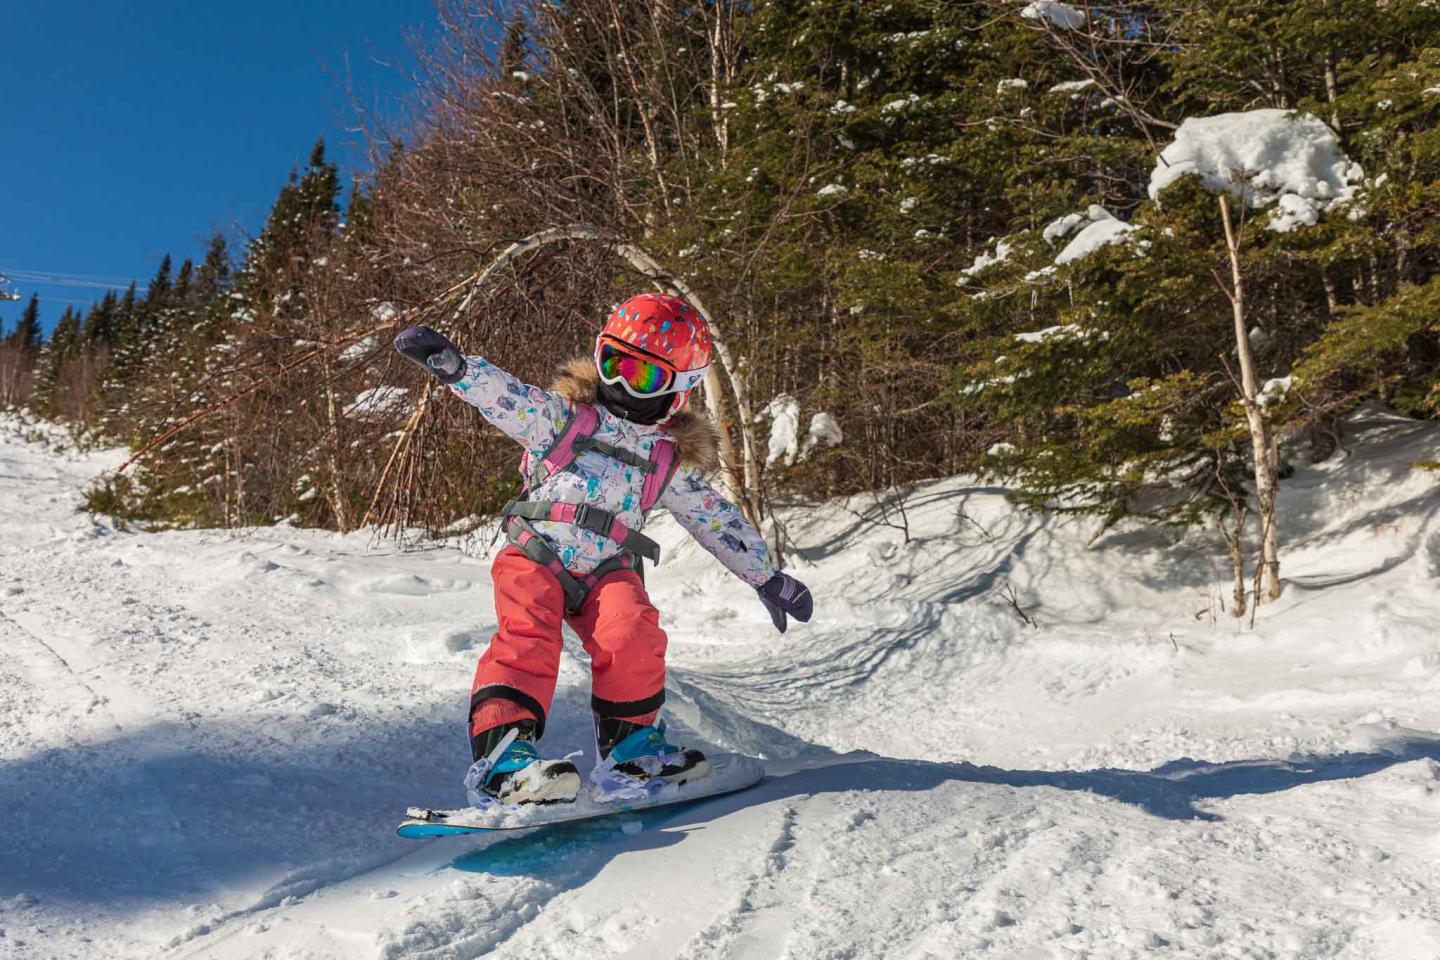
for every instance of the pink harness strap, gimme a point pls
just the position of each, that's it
(662, 454)
(562, 453)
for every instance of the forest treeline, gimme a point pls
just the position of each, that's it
(871, 201)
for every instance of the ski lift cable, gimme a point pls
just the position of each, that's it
(58, 279)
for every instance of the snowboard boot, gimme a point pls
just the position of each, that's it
(519, 774)
(640, 751)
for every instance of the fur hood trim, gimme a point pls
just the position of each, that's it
(695, 435)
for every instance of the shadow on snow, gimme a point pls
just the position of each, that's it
(185, 812)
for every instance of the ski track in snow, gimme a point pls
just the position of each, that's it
(206, 740)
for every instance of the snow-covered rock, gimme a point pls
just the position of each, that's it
(1264, 157)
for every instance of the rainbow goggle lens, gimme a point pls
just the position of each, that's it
(642, 376)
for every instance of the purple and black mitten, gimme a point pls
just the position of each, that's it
(782, 594)
(432, 351)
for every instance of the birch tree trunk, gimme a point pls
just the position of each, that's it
(1261, 441)
(735, 472)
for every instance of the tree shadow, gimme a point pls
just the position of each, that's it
(1172, 791)
(175, 814)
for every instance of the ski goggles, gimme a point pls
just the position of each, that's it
(641, 375)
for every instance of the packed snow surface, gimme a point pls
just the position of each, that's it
(207, 738)
(1266, 156)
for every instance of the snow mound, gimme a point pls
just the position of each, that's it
(1264, 157)
(1061, 15)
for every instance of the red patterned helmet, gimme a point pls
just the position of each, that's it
(662, 326)
(669, 338)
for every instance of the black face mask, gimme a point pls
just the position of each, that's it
(650, 410)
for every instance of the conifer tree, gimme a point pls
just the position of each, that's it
(27, 333)
(61, 349)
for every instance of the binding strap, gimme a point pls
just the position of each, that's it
(590, 518)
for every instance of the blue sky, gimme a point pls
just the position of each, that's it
(130, 129)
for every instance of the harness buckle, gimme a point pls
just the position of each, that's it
(582, 519)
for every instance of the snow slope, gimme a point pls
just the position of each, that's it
(207, 738)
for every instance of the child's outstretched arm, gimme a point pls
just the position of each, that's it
(723, 530)
(527, 414)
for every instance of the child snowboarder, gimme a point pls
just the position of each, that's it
(609, 441)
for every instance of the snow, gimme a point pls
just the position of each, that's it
(1264, 156)
(1016, 83)
(1066, 331)
(1072, 86)
(1003, 249)
(358, 350)
(832, 190)
(1062, 226)
(824, 430)
(1060, 15)
(784, 414)
(206, 739)
(1274, 391)
(377, 402)
(1102, 230)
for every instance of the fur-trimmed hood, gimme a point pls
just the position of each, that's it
(694, 433)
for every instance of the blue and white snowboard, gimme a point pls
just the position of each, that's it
(729, 772)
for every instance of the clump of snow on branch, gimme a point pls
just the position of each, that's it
(1072, 86)
(357, 350)
(824, 429)
(786, 445)
(1100, 228)
(1016, 83)
(376, 402)
(1264, 157)
(1064, 331)
(1061, 15)
(984, 260)
(784, 414)
(1274, 391)
(385, 312)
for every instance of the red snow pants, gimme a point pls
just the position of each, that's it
(617, 625)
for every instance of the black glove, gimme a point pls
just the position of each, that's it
(432, 351)
(783, 594)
